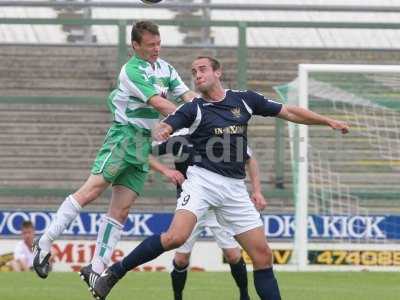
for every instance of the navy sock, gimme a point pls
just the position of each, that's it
(178, 277)
(266, 284)
(239, 273)
(146, 251)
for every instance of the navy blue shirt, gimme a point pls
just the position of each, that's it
(182, 149)
(218, 130)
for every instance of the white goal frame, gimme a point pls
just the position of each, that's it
(301, 244)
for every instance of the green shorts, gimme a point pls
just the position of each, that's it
(123, 157)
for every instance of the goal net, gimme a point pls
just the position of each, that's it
(346, 187)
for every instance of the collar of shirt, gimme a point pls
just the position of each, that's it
(145, 63)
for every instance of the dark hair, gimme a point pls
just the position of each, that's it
(26, 224)
(215, 64)
(140, 27)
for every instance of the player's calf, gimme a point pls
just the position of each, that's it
(178, 277)
(180, 229)
(239, 274)
(238, 270)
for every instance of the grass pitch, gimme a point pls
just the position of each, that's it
(205, 285)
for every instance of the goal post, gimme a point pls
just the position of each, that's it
(335, 175)
(301, 233)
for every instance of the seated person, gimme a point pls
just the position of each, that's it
(23, 255)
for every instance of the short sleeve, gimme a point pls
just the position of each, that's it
(137, 82)
(249, 153)
(184, 116)
(260, 105)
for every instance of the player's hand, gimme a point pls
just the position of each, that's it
(339, 125)
(174, 176)
(259, 201)
(162, 131)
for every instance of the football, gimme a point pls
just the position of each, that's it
(151, 1)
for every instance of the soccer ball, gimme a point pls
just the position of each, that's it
(151, 1)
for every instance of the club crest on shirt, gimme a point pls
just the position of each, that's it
(236, 112)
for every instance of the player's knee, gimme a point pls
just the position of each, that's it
(262, 257)
(89, 192)
(181, 260)
(172, 240)
(178, 240)
(119, 213)
(232, 256)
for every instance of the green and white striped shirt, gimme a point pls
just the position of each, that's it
(138, 81)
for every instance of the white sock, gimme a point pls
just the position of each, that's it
(66, 213)
(107, 238)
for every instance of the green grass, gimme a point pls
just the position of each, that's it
(207, 285)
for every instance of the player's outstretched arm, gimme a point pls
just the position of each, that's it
(304, 116)
(256, 196)
(174, 176)
(164, 106)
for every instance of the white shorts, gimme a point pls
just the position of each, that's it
(228, 197)
(223, 236)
